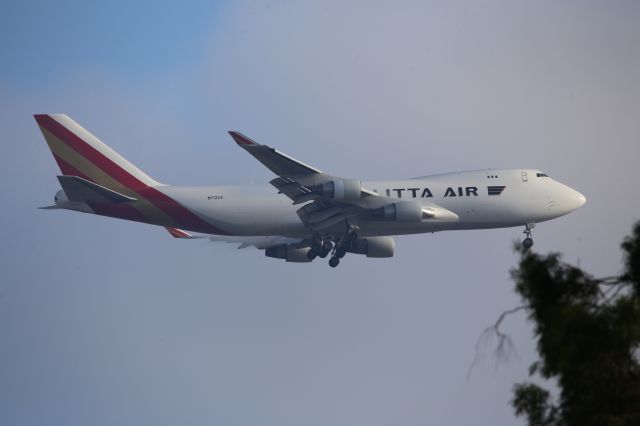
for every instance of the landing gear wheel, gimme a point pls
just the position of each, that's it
(334, 261)
(311, 254)
(340, 253)
(528, 241)
(326, 249)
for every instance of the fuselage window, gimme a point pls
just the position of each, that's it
(541, 175)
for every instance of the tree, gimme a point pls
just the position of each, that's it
(588, 340)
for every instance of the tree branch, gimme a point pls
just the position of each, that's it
(504, 347)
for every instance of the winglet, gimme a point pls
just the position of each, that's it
(178, 233)
(241, 139)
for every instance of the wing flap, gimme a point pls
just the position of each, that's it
(296, 192)
(259, 242)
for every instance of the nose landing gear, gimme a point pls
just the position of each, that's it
(527, 243)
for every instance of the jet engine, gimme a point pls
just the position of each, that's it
(404, 211)
(288, 253)
(373, 246)
(340, 190)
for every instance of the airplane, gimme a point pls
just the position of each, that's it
(304, 213)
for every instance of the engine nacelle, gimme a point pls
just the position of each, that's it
(340, 190)
(373, 246)
(404, 211)
(288, 253)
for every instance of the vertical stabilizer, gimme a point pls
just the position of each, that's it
(79, 153)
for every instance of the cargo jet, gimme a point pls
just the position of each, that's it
(304, 213)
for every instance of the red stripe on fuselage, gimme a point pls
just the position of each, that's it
(183, 217)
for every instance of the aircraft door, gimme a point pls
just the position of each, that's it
(524, 177)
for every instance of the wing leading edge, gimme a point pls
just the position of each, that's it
(276, 161)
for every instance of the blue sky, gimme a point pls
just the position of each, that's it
(45, 40)
(112, 322)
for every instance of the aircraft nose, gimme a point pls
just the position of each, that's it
(577, 200)
(566, 200)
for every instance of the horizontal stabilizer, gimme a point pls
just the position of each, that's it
(82, 190)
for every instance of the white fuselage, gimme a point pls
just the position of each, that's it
(481, 199)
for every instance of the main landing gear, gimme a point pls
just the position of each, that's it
(320, 248)
(341, 246)
(527, 243)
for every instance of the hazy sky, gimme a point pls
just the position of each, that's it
(108, 322)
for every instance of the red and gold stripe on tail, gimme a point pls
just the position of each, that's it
(79, 153)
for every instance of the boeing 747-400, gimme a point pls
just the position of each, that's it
(303, 213)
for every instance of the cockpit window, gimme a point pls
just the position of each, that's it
(541, 175)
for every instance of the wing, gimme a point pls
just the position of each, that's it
(334, 199)
(259, 242)
(295, 179)
(279, 163)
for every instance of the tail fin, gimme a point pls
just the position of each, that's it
(79, 153)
